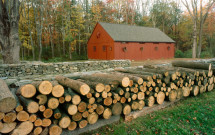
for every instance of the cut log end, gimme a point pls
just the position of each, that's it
(8, 127)
(33, 107)
(45, 87)
(172, 95)
(100, 110)
(72, 126)
(22, 116)
(92, 118)
(24, 128)
(107, 113)
(53, 103)
(117, 109)
(125, 82)
(46, 122)
(84, 89)
(72, 109)
(83, 124)
(58, 91)
(38, 130)
(126, 110)
(160, 98)
(100, 87)
(55, 130)
(64, 122)
(28, 91)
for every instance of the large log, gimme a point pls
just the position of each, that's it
(7, 100)
(55, 130)
(107, 113)
(27, 91)
(92, 118)
(123, 80)
(8, 127)
(58, 90)
(53, 103)
(30, 105)
(22, 116)
(78, 86)
(24, 128)
(44, 87)
(64, 121)
(192, 65)
(117, 109)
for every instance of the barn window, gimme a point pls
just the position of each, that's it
(141, 48)
(98, 35)
(168, 48)
(104, 48)
(156, 48)
(94, 48)
(124, 49)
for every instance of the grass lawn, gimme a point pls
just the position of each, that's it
(193, 115)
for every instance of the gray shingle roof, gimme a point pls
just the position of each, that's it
(128, 33)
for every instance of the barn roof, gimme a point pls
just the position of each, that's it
(128, 33)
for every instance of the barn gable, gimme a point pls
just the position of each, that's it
(127, 33)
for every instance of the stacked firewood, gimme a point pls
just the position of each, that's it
(47, 107)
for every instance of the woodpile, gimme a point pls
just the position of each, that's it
(47, 107)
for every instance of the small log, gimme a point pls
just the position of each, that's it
(126, 109)
(85, 114)
(92, 118)
(108, 101)
(30, 105)
(7, 99)
(141, 95)
(53, 103)
(38, 130)
(99, 87)
(22, 116)
(107, 113)
(123, 100)
(32, 117)
(104, 94)
(134, 105)
(57, 114)
(134, 96)
(172, 95)
(9, 117)
(27, 91)
(82, 107)
(150, 101)
(55, 130)
(61, 100)
(38, 122)
(117, 109)
(76, 99)
(44, 87)
(71, 109)
(82, 123)
(42, 99)
(46, 122)
(48, 113)
(127, 95)
(186, 91)
(77, 117)
(64, 121)
(24, 128)
(100, 110)
(72, 126)
(107, 88)
(42, 108)
(78, 86)
(8, 127)
(194, 91)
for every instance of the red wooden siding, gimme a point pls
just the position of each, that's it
(103, 43)
(143, 51)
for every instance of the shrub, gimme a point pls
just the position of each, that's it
(188, 54)
(179, 54)
(206, 54)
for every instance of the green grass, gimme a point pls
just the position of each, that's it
(193, 115)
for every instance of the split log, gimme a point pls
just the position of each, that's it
(64, 121)
(72, 126)
(24, 128)
(30, 105)
(7, 99)
(9, 117)
(82, 123)
(92, 118)
(117, 109)
(44, 87)
(55, 130)
(27, 91)
(78, 86)
(42, 99)
(22, 116)
(8, 127)
(107, 113)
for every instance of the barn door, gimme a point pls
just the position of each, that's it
(107, 50)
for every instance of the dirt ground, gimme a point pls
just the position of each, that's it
(160, 61)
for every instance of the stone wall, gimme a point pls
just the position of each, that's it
(26, 69)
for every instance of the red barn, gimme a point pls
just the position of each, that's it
(119, 41)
